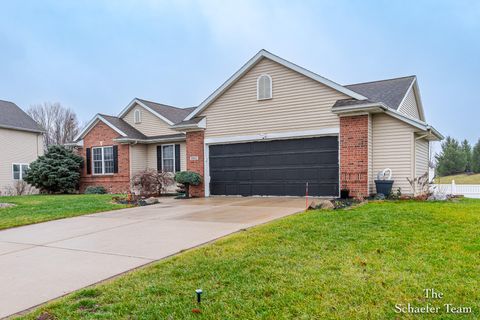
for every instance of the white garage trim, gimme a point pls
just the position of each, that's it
(260, 137)
(274, 136)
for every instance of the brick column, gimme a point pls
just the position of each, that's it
(195, 159)
(354, 154)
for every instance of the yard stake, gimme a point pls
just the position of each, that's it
(306, 196)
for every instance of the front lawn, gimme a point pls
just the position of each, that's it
(347, 264)
(39, 208)
(460, 179)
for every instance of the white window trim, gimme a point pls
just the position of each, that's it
(163, 158)
(103, 162)
(21, 172)
(271, 90)
(139, 112)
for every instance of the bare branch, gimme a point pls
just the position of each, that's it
(61, 123)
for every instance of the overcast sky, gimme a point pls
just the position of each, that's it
(96, 56)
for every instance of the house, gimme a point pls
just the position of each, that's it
(21, 139)
(268, 130)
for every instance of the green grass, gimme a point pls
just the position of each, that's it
(460, 179)
(348, 264)
(39, 208)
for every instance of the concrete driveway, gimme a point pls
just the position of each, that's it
(47, 260)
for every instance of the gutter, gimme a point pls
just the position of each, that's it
(202, 124)
(22, 129)
(435, 132)
(374, 106)
(148, 141)
(380, 107)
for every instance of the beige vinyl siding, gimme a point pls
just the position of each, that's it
(152, 160)
(299, 103)
(421, 157)
(409, 105)
(152, 155)
(393, 147)
(17, 147)
(138, 158)
(151, 125)
(371, 186)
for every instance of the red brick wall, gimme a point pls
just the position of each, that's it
(103, 135)
(354, 154)
(195, 141)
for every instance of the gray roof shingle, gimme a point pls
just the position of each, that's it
(173, 114)
(390, 91)
(122, 125)
(191, 121)
(11, 116)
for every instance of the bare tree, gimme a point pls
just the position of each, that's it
(61, 123)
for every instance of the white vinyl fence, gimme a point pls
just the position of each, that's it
(467, 190)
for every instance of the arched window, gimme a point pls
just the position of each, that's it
(137, 116)
(264, 87)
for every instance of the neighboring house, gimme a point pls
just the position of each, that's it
(268, 130)
(21, 139)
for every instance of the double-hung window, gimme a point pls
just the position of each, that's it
(103, 160)
(19, 170)
(168, 158)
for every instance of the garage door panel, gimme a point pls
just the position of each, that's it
(276, 168)
(327, 174)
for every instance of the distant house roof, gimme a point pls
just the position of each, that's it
(12, 117)
(391, 91)
(169, 114)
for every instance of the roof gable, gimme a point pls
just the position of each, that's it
(12, 117)
(411, 100)
(118, 125)
(252, 62)
(168, 114)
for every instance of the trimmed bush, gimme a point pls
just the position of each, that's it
(95, 190)
(188, 178)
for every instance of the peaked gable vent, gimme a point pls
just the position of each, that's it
(137, 116)
(264, 87)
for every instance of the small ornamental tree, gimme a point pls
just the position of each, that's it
(151, 182)
(58, 171)
(188, 178)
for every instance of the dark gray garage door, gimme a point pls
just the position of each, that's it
(276, 168)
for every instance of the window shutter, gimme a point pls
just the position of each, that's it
(89, 160)
(159, 158)
(177, 158)
(115, 159)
